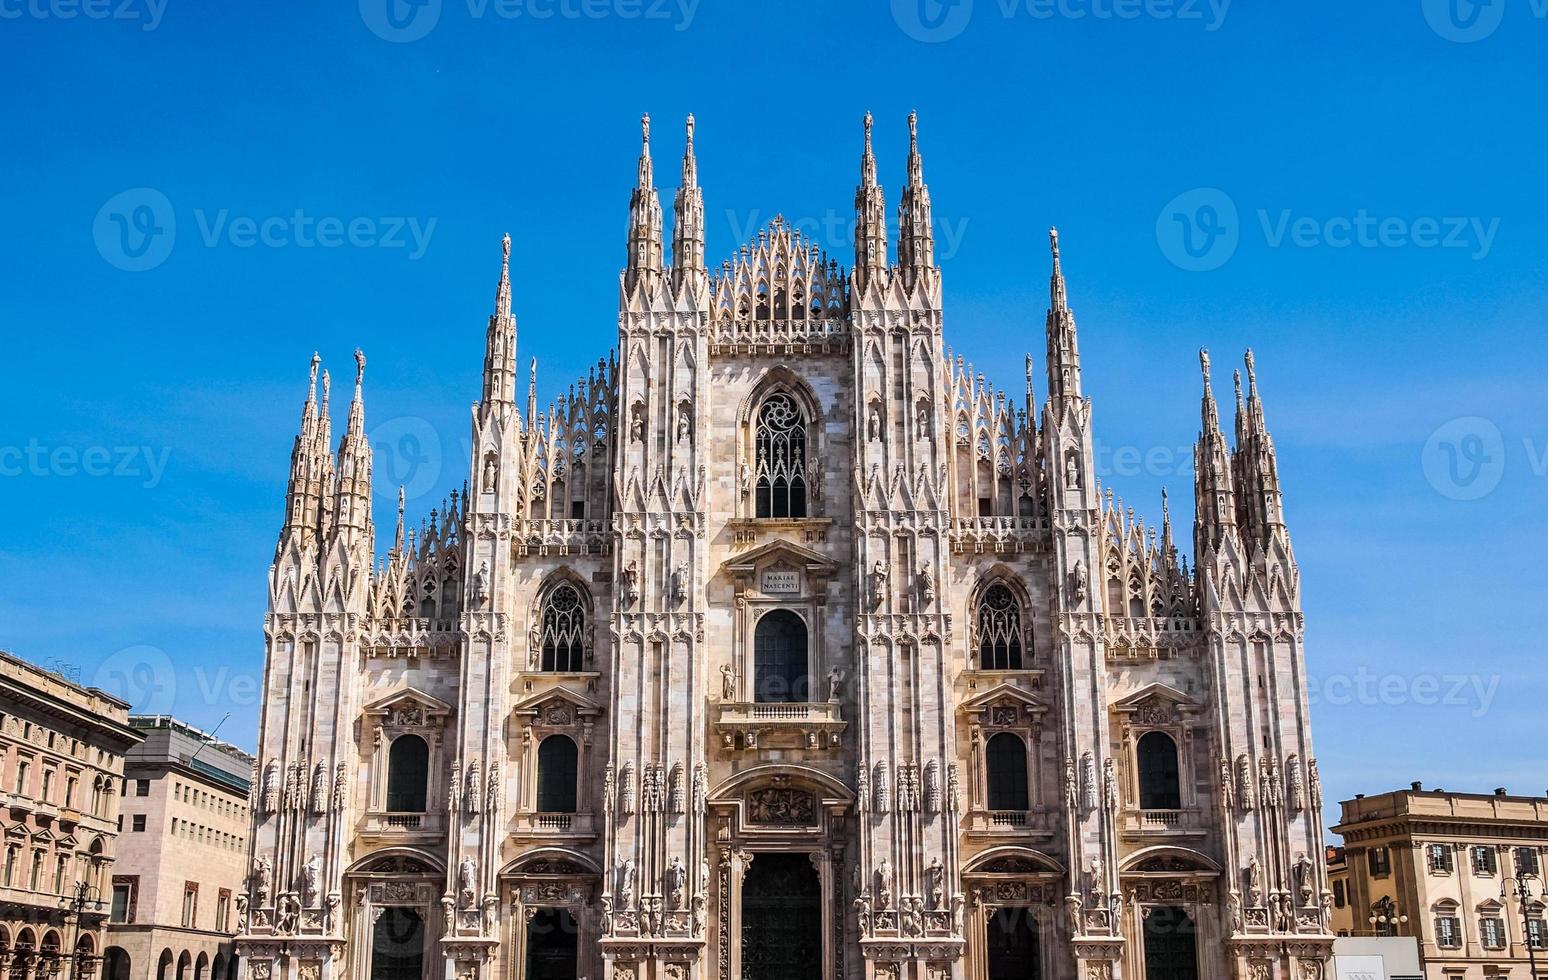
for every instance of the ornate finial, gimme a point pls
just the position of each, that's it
(913, 127)
(868, 122)
(690, 128)
(1236, 377)
(505, 247)
(1252, 371)
(1204, 361)
(327, 384)
(1029, 369)
(1053, 241)
(359, 366)
(316, 360)
(645, 128)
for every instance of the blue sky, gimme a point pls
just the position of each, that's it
(1354, 190)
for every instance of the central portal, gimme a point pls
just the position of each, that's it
(781, 919)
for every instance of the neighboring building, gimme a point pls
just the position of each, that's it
(783, 646)
(186, 823)
(1440, 867)
(61, 768)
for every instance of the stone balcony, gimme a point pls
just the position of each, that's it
(573, 536)
(1036, 824)
(402, 826)
(554, 826)
(1136, 823)
(801, 724)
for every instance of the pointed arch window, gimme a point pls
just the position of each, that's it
(780, 449)
(563, 637)
(998, 628)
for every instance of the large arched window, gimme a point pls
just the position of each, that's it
(408, 770)
(1158, 783)
(999, 629)
(779, 658)
(1006, 761)
(780, 450)
(564, 629)
(556, 775)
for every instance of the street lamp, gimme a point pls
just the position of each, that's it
(1520, 886)
(85, 896)
(1386, 914)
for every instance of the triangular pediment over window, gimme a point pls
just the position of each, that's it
(1158, 700)
(410, 708)
(1004, 696)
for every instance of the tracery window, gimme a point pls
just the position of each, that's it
(999, 629)
(780, 468)
(563, 636)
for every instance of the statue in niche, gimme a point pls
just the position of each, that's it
(923, 420)
(835, 683)
(878, 583)
(631, 583)
(884, 884)
(874, 424)
(1302, 872)
(677, 882)
(467, 882)
(626, 890)
(680, 582)
(926, 585)
(684, 424)
(937, 878)
(1254, 878)
(481, 584)
(490, 473)
(311, 878)
(1080, 582)
(1071, 472)
(727, 682)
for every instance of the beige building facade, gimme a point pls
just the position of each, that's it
(784, 645)
(184, 857)
(61, 770)
(1447, 869)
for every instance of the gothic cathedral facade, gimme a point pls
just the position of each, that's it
(784, 646)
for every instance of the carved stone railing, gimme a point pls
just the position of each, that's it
(561, 537)
(392, 824)
(991, 823)
(565, 825)
(998, 535)
(797, 724)
(1186, 822)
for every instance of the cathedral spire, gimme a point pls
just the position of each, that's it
(352, 505)
(688, 219)
(1063, 347)
(500, 341)
(644, 219)
(1256, 465)
(916, 239)
(308, 469)
(1214, 496)
(870, 219)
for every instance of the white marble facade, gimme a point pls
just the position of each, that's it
(785, 645)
